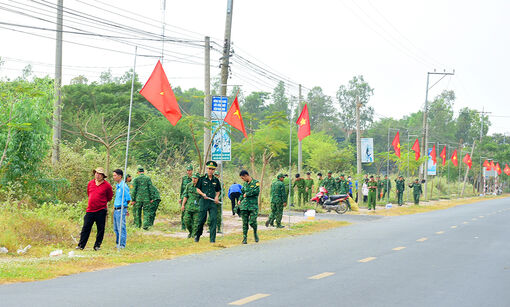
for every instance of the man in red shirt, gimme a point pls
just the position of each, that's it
(100, 193)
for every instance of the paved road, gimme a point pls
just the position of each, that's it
(454, 257)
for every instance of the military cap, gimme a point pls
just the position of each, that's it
(280, 175)
(140, 169)
(211, 164)
(195, 175)
(342, 175)
(189, 168)
(330, 172)
(128, 175)
(417, 179)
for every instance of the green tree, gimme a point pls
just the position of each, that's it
(320, 108)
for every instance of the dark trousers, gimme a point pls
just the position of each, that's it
(90, 218)
(234, 198)
(211, 207)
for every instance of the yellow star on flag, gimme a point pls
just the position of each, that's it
(398, 145)
(237, 113)
(162, 93)
(302, 122)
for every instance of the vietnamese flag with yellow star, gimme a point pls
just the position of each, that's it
(467, 160)
(159, 93)
(487, 165)
(416, 148)
(443, 155)
(234, 118)
(433, 155)
(498, 168)
(507, 170)
(303, 123)
(455, 160)
(396, 144)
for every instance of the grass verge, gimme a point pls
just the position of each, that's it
(36, 265)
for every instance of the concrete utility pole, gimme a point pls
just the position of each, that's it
(163, 15)
(467, 171)
(358, 149)
(207, 98)
(226, 48)
(425, 139)
(300, 152)
(57, 108)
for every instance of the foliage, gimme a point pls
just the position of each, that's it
(348, 96)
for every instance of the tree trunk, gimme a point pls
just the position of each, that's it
(8, 140)
(108, 149)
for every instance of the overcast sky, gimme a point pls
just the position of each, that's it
(393, 44)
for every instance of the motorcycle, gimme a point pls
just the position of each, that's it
(339, 203)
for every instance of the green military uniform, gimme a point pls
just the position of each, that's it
(191, 208)
(301, 189)
(141, 196)
(320, 183)
(380, 185)
(286, 182)
(386, 187)
(308, 189)
(372, 190)
(277, 200)
(342, 186)
(401, 185)
(330, 185)
(184, 182)
(416, 186)
(209, 187)
(249, 206)
(148, 219)
(219, 214)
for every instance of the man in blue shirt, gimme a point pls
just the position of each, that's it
(233, 193)
(122, 199)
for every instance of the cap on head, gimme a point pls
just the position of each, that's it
(100, 170)
(417, 179)
(342, 175)
(280, 176)
(330, 172)
(211, 164)
(189, 168)
(140, 169)
(195, 175)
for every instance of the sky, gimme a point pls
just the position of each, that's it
(393, 44)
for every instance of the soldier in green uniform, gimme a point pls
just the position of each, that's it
(220, 206)
(308, 187)
(401, 185)
(329, 183)
(416, 185)
(386, 186)
(249, 204)
(148, 219)
(184, 182)
(286, 182)
(372, 190)
(301, 189)
(343, 185)
(129, 182)
(141, 196)
(209, 188)
(380, 185)
(320, 182)
(190, 206)
(278, 201)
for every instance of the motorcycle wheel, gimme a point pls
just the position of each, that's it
(342, 208)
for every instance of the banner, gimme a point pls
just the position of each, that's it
(431, 166)
(367, 150)
(221, 149)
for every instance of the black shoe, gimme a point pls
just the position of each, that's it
(267, 223)
(79, 247)
(245, 240)
(256, 237)
(212, 241)
(369, 209)
(189, 236)
(219, 231)
(97, 248)
(280, 226)
(197, 239)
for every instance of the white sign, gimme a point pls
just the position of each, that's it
(221, 149)
(431, 167)
(367, 150)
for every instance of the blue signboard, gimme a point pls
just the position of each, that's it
(219, 103)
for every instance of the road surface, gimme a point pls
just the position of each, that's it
(454, 257)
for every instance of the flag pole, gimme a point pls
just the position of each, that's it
(127, 148)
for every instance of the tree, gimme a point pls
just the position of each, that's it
(255, 103)
(81, 79)
(280, 100)
(320, 107)
(321, 153)
(347, 97)
(441, 122)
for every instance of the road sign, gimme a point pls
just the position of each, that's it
(219, 107)
(367, 150)
(221, 149)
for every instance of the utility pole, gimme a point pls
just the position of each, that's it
(57, 107)
(226, 48)
(207, 98)
(358, 149)
(425, 139)
(300, 145)
(467, 171)
(163, 15)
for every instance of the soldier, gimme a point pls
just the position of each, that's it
(380, 186)
(148, 219)
(220, 206)
(401, 185)
(372, 190)
(301, 189)
(342, 185)
(286, 182)
(278, 201)
(249, 204)
(185, 180)
(209, 188)
(190, 206)
(386, 186)
(416, 185)
(308, 187)
(329, 183)
(320, 181)
(129, 182)
(141, 196)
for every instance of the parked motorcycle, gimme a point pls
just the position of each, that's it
(339, 203)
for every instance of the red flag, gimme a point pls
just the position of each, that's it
(455, 160)
(498, 168)
(507, 170)
(467, 160)
(234, 117)
(486, 165)
(396, 144)
(416, 148)
(433, 155)
(443, 155)
(303, 122)
(492, 166)
(159, 93)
